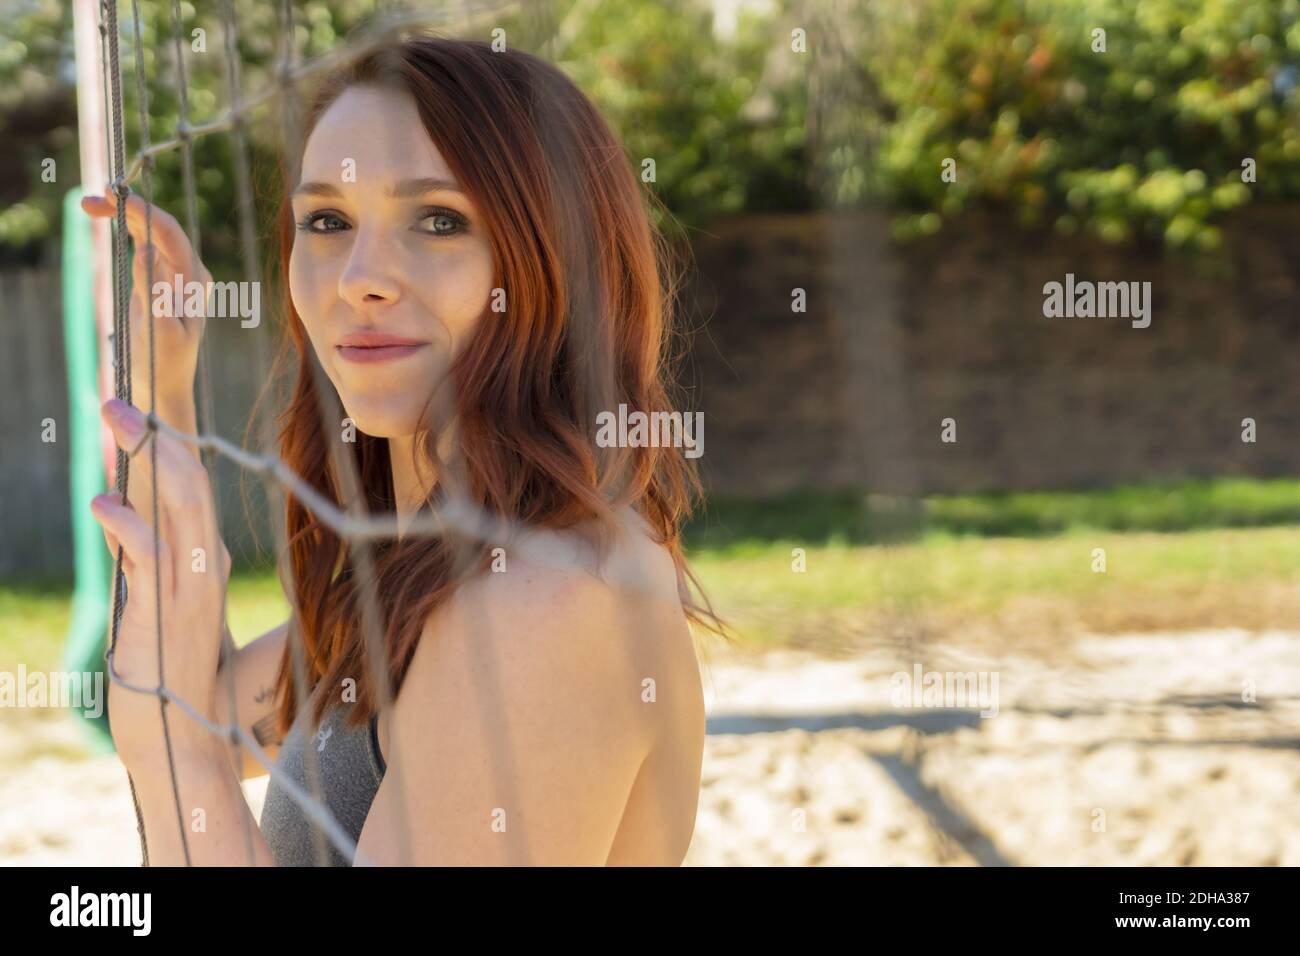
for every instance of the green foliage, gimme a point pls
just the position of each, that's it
(672, 92)
(722, 139)
(37, 72)
(1147, 138)
(35, 77)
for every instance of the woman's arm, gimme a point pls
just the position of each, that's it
(214, 823)
(253, 673)
(207, 775)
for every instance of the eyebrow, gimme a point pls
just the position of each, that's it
(406, 189)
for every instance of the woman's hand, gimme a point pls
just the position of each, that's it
(192, 571)
(176, 336)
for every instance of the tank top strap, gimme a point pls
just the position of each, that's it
(374, 744)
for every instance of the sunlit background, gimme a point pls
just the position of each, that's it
(911, 469)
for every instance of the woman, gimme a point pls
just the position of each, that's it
(473, 278)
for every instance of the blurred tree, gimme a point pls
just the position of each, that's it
(38, 122)
(725, 132)
(675, 95)
(38, 105)
(1146, 138)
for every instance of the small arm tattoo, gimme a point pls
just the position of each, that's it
(265, 731)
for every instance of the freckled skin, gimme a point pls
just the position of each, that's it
(367, 261)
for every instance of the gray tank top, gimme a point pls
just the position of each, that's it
(350, 768)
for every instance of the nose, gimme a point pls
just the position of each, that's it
(369, 277)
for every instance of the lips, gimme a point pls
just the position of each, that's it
(365, 347)
(374, 340)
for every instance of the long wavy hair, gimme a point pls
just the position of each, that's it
(591, 287)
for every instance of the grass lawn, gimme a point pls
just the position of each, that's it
(34, 619)
(1021, 563)
(1152, 581)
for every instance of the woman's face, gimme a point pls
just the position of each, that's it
(391, 266)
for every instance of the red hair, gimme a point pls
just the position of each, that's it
(590, 288)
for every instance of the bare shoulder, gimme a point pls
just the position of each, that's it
(549, 568)
(611, 633)
(557, 695)
(636, 566)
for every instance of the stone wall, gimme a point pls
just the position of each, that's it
(852, 393)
